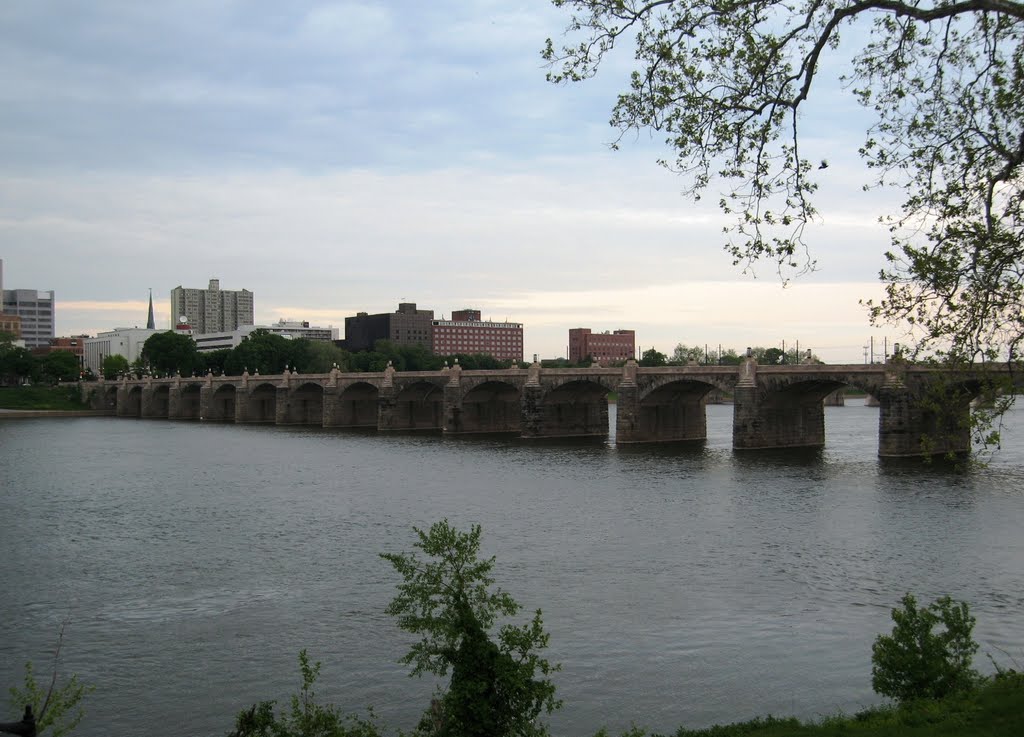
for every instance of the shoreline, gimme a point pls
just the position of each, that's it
(14, 414)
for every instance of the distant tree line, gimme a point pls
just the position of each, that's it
(702, 355)
(169, 353)
(19, 366)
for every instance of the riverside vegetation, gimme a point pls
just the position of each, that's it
(66, 398)
(500, 685)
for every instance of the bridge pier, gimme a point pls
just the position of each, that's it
(386, 404)
(671, 413)
(332, 402)
(910, 425)
(217, 404)
(155, 401)
(452, 402)
(184, 401)
(627, 410)
(787, 418)
(532, 414)
(257, 400)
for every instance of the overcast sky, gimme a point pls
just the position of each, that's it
(335, 157)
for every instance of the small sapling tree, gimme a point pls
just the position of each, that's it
(448, 599)
(916, 662)
(306, 717)
(56, 708)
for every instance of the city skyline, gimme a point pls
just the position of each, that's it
(285, 156)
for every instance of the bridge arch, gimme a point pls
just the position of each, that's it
(356, 405)
(418, 405)
(491, 406)
(189, 402)
(156, 401)
(304, 405)
(132, 404)
(783, 412)
(222, 404)
(574, 408)
(103, 397)
(666, 411)
(260, 404)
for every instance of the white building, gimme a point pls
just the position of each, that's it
(212, 310)
(37, 311)
(127, 342)
(293, 330)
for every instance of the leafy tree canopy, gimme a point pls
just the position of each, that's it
(60, 366)
(170, 352)
(261, 351)
(725, 81)
(917, 662)
(448, 600)
(653, 357)
(684, 354)
(321, 357)
(16, 363)
(114, 365)
(214, 360)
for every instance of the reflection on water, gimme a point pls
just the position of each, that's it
(683, 584)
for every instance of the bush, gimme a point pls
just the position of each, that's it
(305, 718)
(915, 662)
(497, 689)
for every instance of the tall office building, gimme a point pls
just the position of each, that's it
(212, 310)
(406, 326)
(35, 309)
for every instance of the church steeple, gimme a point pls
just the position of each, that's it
(151, 323)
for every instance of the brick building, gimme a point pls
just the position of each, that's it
(406, 326)
(10, 324)
(466, 333)
(71, 343)
(604, 348)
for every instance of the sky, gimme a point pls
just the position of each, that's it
(337, 157)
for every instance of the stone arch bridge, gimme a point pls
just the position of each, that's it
(774, 406)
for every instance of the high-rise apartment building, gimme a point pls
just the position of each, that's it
(604, 348)
(212, 310)
(35, 309)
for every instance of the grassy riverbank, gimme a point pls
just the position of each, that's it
(64, 398)
(994, 709)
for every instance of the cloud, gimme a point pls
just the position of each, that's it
(338, 157)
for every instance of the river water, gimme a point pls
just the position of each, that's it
(682, 586)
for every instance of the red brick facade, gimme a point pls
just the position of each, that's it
(502, 340)
(604, 348)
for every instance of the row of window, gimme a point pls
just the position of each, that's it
(476, 332)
